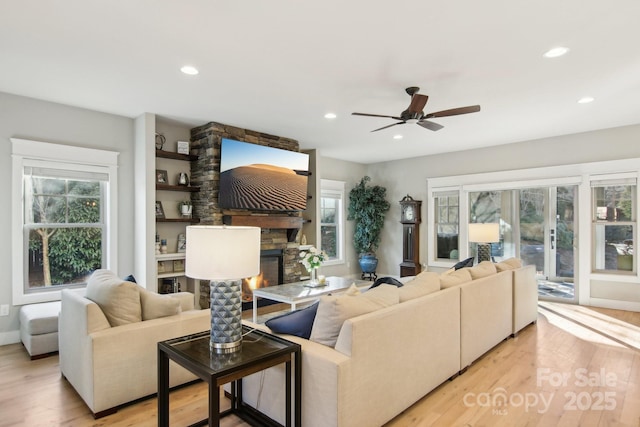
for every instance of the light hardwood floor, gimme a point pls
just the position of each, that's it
(541, 375)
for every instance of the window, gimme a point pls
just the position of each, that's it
(62, 196)
(447, 218)
(614, 225)
(494, 207)
(332, 220)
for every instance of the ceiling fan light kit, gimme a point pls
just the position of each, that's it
(414, 114)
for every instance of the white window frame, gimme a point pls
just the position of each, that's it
(26, 153)
(604, 181)
(334, 190)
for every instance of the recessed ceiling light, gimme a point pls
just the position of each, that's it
(330, 116)
(556, 52)
(585, 100)
(397, 136)
(188, 69)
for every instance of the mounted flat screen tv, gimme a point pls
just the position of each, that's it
(261, 178)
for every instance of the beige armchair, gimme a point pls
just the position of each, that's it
(112, 365)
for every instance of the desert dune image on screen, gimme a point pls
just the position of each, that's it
(262, 178)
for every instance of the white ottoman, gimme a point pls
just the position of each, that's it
(39, 328)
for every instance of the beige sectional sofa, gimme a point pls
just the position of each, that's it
(387, 359)
(108, 349)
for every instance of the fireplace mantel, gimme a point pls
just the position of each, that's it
(292, 224)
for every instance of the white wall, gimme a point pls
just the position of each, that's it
(37, 120)
(350, 173)
(409, 176)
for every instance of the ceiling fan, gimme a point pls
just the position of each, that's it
(414, 113)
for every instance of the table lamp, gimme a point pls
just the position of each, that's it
(224, 255)
(484, 234)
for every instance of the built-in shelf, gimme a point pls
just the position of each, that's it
(167, 187)
(188, 220)
(170, 256)
(175, 156)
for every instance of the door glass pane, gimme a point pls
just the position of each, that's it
(532, 228)
(565, 229)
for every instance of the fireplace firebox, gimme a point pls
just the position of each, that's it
(271, 274)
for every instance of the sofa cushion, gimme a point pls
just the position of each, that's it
(423, 284)
(334, 310)
(298, 322)
(130, 278)
(484, 269)
(388, 281)
(155, 305)
(464, 263)
(118, 300)
(455, 278)
(509, 264)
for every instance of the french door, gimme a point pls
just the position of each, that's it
(547, 226)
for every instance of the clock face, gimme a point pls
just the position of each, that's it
(408, 213)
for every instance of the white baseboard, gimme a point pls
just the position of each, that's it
(615, 304)
(10, 337)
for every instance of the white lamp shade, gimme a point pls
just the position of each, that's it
(222, 252)
(484, 233)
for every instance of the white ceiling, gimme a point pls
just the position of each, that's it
(278, 66)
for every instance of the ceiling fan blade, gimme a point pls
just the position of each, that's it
(430, 125)
(388, 126)
(418, 102)
(376, 115)
(454, 112)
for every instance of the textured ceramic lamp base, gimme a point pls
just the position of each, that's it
(484, 252)
(226, 316)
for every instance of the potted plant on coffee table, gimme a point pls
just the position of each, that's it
(367, 207)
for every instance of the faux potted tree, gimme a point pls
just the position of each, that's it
(367, 206)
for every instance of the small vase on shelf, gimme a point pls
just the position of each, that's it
(313, 281)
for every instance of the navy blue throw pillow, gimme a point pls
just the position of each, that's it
(387, 281)
(298, 323)
(464, 263)
(130, 278)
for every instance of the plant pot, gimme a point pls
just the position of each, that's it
(185, 210)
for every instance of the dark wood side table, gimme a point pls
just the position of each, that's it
(259, 351)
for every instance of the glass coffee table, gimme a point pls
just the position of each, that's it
(299, 292)
(259, 351)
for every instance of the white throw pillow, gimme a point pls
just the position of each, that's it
(333, 310)
(118, 300)
(156, 305)
(423, 284)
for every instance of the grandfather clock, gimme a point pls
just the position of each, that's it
(410, 219)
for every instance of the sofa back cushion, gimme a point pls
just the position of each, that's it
(509, 264)
(423, 284)
(455, 278)
(155, 305)
(484, 269)
(334, 310)
(119, 300)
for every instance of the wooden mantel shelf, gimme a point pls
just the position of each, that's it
(291, 223)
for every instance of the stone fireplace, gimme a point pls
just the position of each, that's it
(279, 230)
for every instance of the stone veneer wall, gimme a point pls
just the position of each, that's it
(205, 173)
